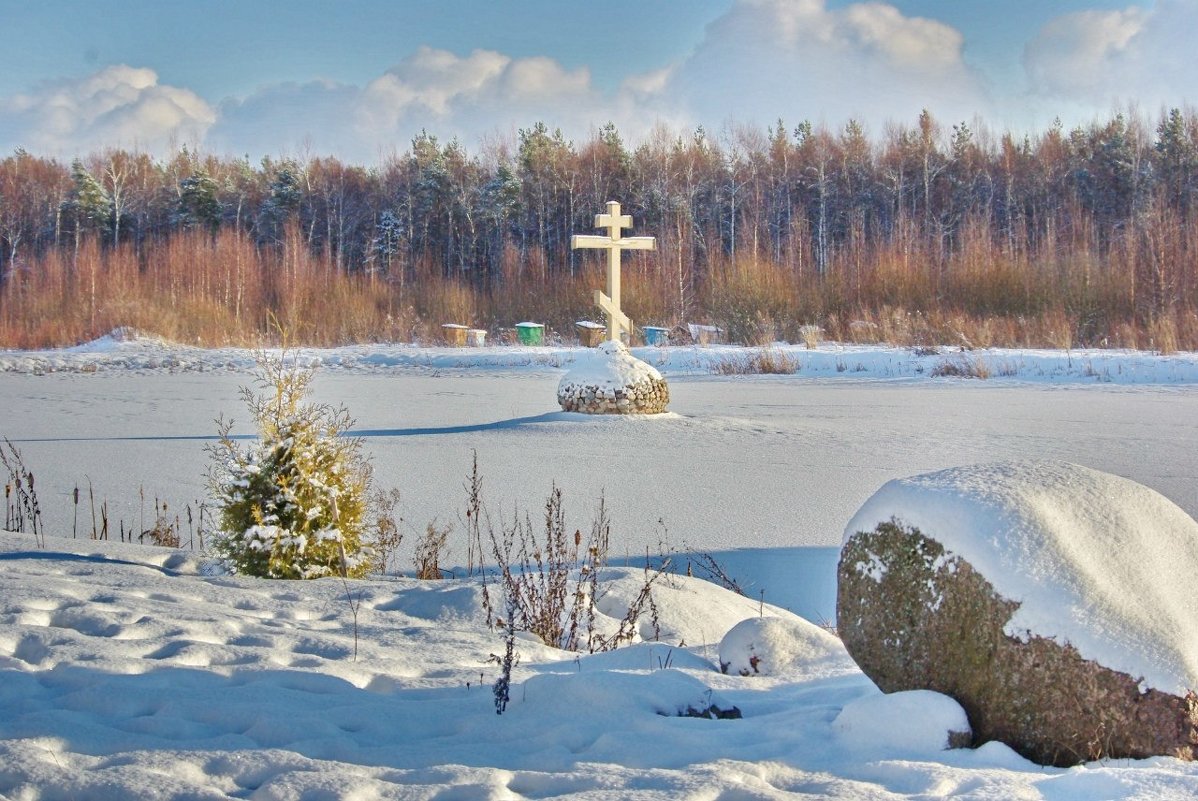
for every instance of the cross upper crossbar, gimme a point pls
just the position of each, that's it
(613, 243)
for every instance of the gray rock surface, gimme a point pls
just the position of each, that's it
(914, 616)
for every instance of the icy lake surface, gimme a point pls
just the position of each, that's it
(740, 462)
(131, 672)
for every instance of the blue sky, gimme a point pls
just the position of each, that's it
(359, 79)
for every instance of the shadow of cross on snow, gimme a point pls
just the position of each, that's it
(496, 425)
(471, 428)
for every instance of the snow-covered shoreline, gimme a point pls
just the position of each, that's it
(132, 352)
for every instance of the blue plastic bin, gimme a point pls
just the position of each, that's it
(655, 335)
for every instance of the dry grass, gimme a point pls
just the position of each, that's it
(21, 504)
(962, 366)
(766, 361)
(1162, 333)
(224, 289)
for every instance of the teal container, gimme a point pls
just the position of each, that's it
(530, 333)
(655, 335)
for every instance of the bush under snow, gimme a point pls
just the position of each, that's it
(775, 646)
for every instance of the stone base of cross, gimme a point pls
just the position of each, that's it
(610, 380)
(613, 243)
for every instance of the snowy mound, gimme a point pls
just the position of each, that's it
(1097, 561)
(612, 696)
(125, 336)
(915, 721)
(610, 380)
(611, 366)
(775, 646)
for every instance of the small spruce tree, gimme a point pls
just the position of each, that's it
(293, 503)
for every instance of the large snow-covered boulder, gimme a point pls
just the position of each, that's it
(1054, 602)
(610, 380)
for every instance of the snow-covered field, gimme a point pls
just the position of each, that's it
(126, 673)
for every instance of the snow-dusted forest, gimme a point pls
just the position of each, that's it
(925, 233)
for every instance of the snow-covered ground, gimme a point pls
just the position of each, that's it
(125, 673)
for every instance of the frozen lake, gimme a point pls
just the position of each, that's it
(742, 462)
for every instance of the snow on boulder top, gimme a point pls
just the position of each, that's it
(609, 365)
(1095, 560)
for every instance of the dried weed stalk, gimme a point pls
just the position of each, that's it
(552, 583)
(21, 506)
(430, 549)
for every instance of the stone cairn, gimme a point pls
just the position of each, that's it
(610, 380)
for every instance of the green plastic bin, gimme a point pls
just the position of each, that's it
(530, 333)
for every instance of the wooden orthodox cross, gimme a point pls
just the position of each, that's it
(613, 243)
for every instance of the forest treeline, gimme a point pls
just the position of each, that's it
(920, 235)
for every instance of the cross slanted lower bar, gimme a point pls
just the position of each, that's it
(613, 243)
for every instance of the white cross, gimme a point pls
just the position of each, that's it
(613, 243)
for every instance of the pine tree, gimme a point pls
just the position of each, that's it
(1177, 158)
(88, 205)
(198, 203)
(387, 242)
(293, 503)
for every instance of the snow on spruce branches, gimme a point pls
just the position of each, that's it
(293, 502)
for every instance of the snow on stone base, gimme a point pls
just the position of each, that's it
(613, 381)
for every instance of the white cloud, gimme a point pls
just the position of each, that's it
(761, 60)
(921, 45)
(430, 82)
(117, 106)
(1071, 53)
(648, 84)
(799, 59)
(1142, 55)
(540, 78)
(438, 88)
(469, 97)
